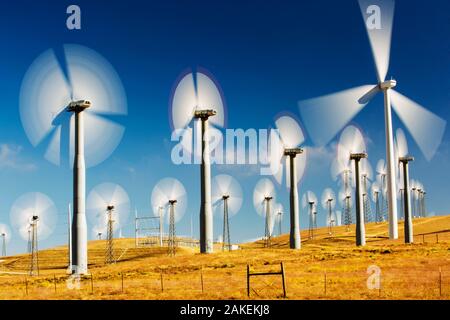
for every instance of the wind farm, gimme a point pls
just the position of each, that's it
(175, 175)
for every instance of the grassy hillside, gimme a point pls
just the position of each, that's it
(327, 267)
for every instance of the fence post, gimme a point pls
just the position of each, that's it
(92, 283)
(283, 279)
(437, 238)
(248, 280)
(440, 282)
(26, 285)
(54, 281)
(122, 282)
(423, 238)
(162, 283)
(201, 278)
(325, 282)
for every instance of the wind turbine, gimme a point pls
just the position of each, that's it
(366, 179)
(382, 180)
(325, 116)
(328, 203)
(263, 197)
(62, 101)
(227, 200)
(309, 202)
(108, 208)
(376, 191)
(169, 200)
(278, 209)
(5, 234)
(352, 148)
(34, 216)
(198, 97)
(291, 137)
(404, 158)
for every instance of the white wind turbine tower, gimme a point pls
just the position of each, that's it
(352, 148)
(263, 197)
(291, 136)
(34, 216)
(309, 202)
(62, 101)
(366, 180)
(328, 203)
(198, 97)
(108, 208)
(5, 234)
(169, 203)
(404, 158)
(325, 116)
(227, 200)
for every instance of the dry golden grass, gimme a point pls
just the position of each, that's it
(407, 271)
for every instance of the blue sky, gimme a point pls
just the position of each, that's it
(266, 55)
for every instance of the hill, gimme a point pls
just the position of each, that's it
(327, 267)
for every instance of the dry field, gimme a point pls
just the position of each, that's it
(327, 267)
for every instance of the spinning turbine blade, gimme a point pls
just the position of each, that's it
(264, 188)
(47, 91)
(326, 195)
(165, 190)
(104, 195)
(378, 17)
(209, 97)
(290, 132)
(426, 128)
(33, 204)
(225, 185)
(401, 143)
(325, 116)
(184, 102)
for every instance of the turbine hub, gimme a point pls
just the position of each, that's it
(78, 106)
(172, 202)
(204, 114)
(293, 152)
(268, 198)
(389, 84)
(110, 208)
(225, 196)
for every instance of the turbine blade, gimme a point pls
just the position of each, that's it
(365, 99)
(426, 128)
(43, 95)
(102, 138)
(209, 97)
(290, 131)
(402, 144)
(93, 78)
(378, 17)
(184, 102)
(325, 116)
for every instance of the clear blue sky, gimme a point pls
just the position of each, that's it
(266, 55)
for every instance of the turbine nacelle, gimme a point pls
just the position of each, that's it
(172, 202)
(268, 198)
(358, 156)
(110, 208)
(204, 114)
(293, 152)
(406, 159)
(78, 106)
(225, 197)
(389, 84)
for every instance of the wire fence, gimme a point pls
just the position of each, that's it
(420, 283)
